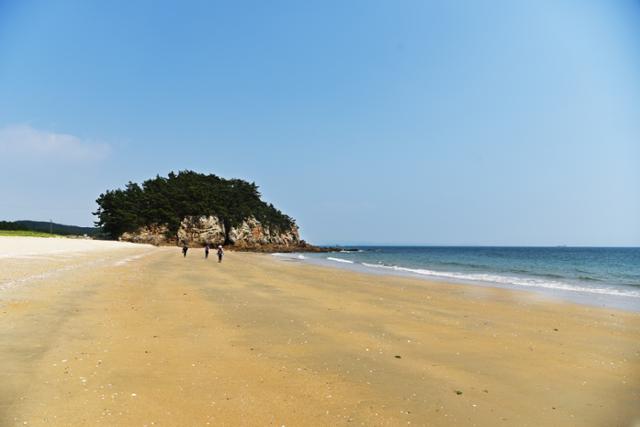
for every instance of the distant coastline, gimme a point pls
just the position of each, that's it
(49, 227)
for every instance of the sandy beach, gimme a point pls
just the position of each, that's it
(117, 334)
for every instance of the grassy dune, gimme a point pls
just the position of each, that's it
(26, 233)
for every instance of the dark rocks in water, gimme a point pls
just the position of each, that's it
(250, 234)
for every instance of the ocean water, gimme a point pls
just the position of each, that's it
(607, 277)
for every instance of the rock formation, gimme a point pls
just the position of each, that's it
(201, 230)
(250, 234)
(154, 235)
(197, 209)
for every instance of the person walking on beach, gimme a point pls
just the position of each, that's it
(220, 253)
(185, 248)
(206, 251)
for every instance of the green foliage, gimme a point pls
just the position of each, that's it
(46, 227)
(10, 225)
(166, 201)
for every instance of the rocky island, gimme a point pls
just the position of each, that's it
(198, 209)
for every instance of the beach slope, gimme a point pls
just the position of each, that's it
(142, 336)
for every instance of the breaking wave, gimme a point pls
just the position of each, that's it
(289, 256)
(345, 261)
(509, 280)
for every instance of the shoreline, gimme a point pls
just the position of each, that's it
(582, 296)
(253, 341)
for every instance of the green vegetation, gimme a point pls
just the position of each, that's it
(26, 233)
(167, 201)
(48, 227)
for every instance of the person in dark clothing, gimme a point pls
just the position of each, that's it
(185, 248)
(220, 253)
(206, 251)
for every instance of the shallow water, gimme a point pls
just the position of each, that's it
(607, 277)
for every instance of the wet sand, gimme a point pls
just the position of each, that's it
(141, 336)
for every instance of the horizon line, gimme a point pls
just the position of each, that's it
(420, 245)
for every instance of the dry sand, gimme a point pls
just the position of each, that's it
(22, 247)
(140, 336)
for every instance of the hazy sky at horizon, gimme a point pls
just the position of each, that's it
(398, 122)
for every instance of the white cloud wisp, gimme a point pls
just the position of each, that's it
(26, 141)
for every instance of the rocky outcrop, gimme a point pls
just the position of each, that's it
(251, 234)
(154, 235)
(201, 230)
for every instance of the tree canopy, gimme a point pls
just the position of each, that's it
(168, 200)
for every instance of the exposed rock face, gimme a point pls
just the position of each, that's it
(201, 230)
(251, 233)
(198, 231)
(154, 235)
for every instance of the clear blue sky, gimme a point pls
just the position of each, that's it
(400, 122)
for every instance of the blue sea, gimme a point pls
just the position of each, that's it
(608, 277)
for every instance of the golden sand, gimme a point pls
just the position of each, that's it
(146, 337)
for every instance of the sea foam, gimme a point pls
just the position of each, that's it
(345, 261)
(289, 256)
(508, 280)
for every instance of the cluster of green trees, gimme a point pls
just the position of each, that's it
(167, 201)
(11, 225)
